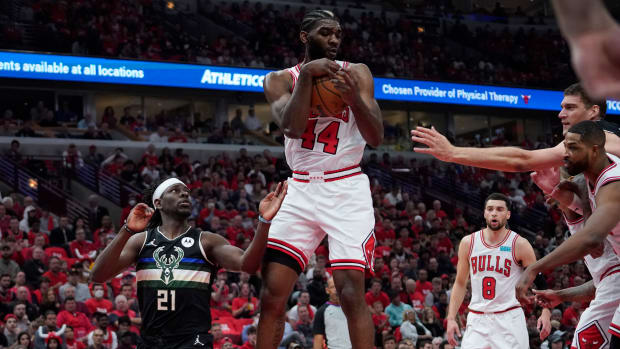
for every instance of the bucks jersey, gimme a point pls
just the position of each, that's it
(174, 284)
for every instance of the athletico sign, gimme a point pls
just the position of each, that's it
(128, 72)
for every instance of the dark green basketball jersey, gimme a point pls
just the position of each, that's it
(174, 284)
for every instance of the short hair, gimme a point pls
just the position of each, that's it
(313, 17)
(498, 196)
(69, 299)
(577, 90)
(590, 131)
(251, 329)
(388, 337)
(49, 312)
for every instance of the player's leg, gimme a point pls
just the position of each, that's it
(509, 330)
(293, 236)
(594, 322)
(278, 282)
(349, 222)
(475, 335)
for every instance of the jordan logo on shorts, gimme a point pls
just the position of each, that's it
(198, 342)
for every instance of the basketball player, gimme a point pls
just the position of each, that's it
(494, 258)
(329, 194)
(576, 106)
(585, 153)
(175, 264)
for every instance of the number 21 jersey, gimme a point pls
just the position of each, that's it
(174, 284)
(328, 143)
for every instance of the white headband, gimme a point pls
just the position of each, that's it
(159, 191)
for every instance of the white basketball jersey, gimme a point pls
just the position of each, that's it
(610, 174)
(329, 143)
(494, 273)
(607, 264)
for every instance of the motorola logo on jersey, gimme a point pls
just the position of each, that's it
(187, 242)
(497, 264)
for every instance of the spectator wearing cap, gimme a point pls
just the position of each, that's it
(97, 303)
(10, 328)
(555, 341)
(110, 339)
(7, 264)
(81, 291)
(55, 274)
(76, 319)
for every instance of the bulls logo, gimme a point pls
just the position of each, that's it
(526, 98)
(369, 250)
(591, 337)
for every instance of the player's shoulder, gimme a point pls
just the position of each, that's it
(358, 67)
(278, 80)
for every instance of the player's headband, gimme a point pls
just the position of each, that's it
(159, 191)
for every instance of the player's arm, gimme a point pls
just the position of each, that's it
(123, 250)
(358, 91)
(232, 258)
(291, 110)
(612, 143)
(604, 218)
(458, 289)
(508, 159)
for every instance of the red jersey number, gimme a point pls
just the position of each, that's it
(329, 136)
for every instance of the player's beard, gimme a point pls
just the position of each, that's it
(500, 225)
(315, 50)
(575, 168)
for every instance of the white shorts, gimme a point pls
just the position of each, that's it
(341, 208)
(614, 327)
(492, 331)
(594, 323)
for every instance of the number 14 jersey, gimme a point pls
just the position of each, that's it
(494, 272)
(328, 143)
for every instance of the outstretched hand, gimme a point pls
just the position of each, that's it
(438, 145)
(546, 179)
(596, 59)
(270, 205)
(139, 217)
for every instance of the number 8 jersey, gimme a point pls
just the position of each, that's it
(494, 273)
(328, 143)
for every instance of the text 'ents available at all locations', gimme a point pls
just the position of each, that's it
(77, 69)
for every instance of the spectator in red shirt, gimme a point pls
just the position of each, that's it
(98, 303)
(82, 248)
(570, 317)
(396, 286)
(56, 276)
(303, 301)
(423, 285)
(218, 336)
(220, 294)
(416, 298)
(439, 213)
(70, 341)
(380, 319)
(178, 136)
(106, 228)
(380, 268)
(245, 305)
(71, 317)
(376, 295)
(251, 342)
(5, 219)
(35, 230)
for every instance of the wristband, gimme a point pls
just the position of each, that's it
(263, 220)
(575, 206)
(126, 227)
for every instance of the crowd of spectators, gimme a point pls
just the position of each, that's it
(45, 266)
(261, 36)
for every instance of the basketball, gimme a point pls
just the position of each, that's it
(326, 99)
